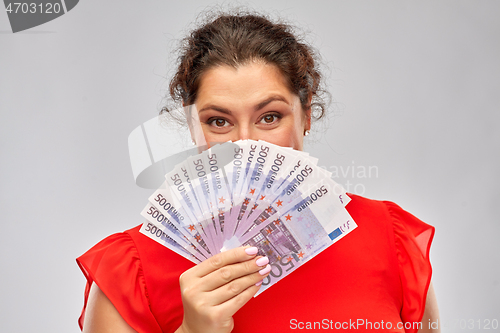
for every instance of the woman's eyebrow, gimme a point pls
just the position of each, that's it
(216, 108)
(269, 100)
(259, 106)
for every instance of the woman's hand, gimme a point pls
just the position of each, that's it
(215, 289)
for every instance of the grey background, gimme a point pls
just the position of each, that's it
(416, 89)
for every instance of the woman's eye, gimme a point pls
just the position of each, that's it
(269, 119)
(219, 122)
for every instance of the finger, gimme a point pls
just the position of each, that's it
(231, 306)
(222, 259)
(237, 286)
(228, 273)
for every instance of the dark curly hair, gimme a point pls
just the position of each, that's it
(240, 38)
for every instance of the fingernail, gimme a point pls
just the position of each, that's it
(259, 283)
(266, 270)
(262, 261)
(251, 250)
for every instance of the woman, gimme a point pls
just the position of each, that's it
(252, 79)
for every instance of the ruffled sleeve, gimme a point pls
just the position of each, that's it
(114, 265)
(413, 241)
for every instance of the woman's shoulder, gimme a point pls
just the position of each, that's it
(381, 208)
(120, 241)
(114, 265)
(412, 240)
(402, 221)
(131, 252)
(410, 234)
(373, 205)
(100, 261)
(136, 274)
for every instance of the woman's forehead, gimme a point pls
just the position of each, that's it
(256, 83)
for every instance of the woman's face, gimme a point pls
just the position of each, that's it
(250, 102)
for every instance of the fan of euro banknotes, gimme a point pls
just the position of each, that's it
(249, 193)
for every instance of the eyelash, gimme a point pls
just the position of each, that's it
(212, 121)
(276, 116)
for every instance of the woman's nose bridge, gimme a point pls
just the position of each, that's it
(243, 132)
(246, 131)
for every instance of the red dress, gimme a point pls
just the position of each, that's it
(375, 278)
